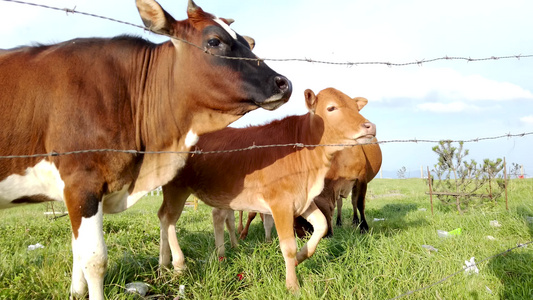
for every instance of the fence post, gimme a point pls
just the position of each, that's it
(430, 191)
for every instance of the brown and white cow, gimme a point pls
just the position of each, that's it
(281, 181)
(351, 170)
(122, 93)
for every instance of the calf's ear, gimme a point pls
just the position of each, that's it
(310, 100)
(155, 17)
(361, 102)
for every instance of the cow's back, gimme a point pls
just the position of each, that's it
(65, 97)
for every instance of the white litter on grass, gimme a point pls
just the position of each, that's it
(495, 224)
(422, 209)
(377, 219)
(471, 266)
(529, 219)
(442, 233)
(490, 237)
(488, 290)
(430, 248)
(36, 246)
(137, 287)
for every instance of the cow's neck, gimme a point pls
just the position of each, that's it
(163, 124)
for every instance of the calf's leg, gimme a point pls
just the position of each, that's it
(339, 211)
(230, 225)
(284, 221)
(268, 223)
(358, 203)
(244, 232)
(174, 198)
(320, 227)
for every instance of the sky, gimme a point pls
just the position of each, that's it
(457, 100)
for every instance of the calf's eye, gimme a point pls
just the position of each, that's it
(331, 108)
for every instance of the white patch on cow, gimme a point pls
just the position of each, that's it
(116, 202)
(41, 179)
(191, 139)
(226, 27)
(90, 253)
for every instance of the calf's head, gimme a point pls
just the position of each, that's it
(339, 116)
(214, 65)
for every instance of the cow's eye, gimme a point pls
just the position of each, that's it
(213, 42)
(332, 108)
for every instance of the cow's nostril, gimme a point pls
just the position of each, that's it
(282, 83)
(369, 127)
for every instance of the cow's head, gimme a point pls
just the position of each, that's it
(216, 65)
(339, 116)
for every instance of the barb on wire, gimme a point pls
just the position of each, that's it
(308, 60)
(461, 270)
(254, 146)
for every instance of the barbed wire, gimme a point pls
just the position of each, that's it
(309, 60)
(461, 270)
(252, 147)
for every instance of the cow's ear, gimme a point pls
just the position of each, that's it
(250, 41)
(361, 102)
(155, 17)
(310, 100)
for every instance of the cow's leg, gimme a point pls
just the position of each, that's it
(356, 190)
(89, 251)
(230, 225)
(360, 205)
(268, 223)
(174, 198)
(284, 221)
(240, 227)
(320, 227)
(244, 232)
(219, 217)
(339, 210)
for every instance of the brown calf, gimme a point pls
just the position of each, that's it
(122, 93)
(351, 170)
(281, 181)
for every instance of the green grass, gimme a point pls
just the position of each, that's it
(385, 263)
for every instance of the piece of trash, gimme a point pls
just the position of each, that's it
(490, 237)
(240, 276)
(495, 224)
(430, 248)
(471, 266)
(377, 219)
(488, 290)
(137, 287)
(36, 246)
(443, 234)
(422, 209)
(529, 219)
(456, 231)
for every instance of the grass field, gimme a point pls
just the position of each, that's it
(387, 262)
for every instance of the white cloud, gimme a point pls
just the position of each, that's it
(527, 120)
(451, 107)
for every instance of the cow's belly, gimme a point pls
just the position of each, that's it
(40, 183)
